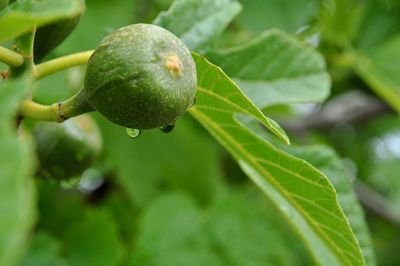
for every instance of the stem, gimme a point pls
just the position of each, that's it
(24, 46)
(56, 112)
(61, 63)
(37, 111)
(10, 58)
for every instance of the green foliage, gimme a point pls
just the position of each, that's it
(133, 162)
(226, 233)
(94, 242)
(3, 4)
(44, 251)
(268, 70)
(223, 188)
(327, 161)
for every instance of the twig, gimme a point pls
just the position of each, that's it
(352, 107)
(375, 202)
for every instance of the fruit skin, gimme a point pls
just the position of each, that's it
(141, 76)
(48, 37)
(65, 150)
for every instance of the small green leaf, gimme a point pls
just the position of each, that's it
(380, 69)
(94, 242)
(198, 22)
(24, 15)
(302, 193)
(276, 68)
(17, 194)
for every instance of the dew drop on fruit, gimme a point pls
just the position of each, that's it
(133, 133)
(167, 129)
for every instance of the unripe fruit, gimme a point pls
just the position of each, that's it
(141, 76)
(65, 150)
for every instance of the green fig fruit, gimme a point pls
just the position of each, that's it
(141, 76)
(65, 150)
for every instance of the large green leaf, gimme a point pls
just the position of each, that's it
(380, 68)
(17, 197)
(276, 68)
(24, 15)
(327, 161)
(198, 22)
(303, 194)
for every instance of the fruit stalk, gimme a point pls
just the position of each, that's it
(57, 112)
(61, 63)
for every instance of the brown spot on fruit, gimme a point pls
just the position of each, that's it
(173, 64)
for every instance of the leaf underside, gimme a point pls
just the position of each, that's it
(302, 193)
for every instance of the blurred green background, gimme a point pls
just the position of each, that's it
(179, 198)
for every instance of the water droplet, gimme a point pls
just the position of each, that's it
(194, 102)
(133, 133)
(167, 129)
